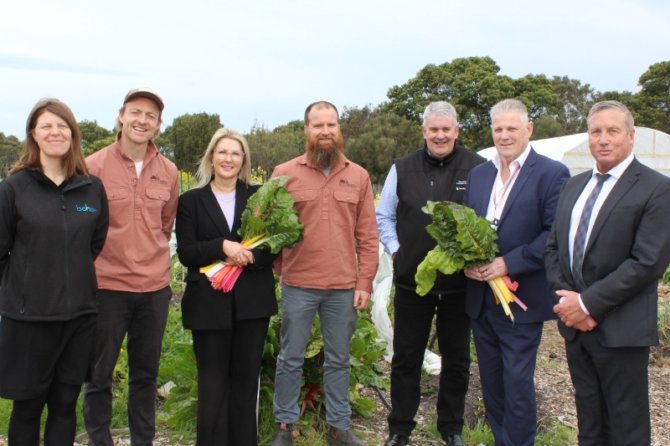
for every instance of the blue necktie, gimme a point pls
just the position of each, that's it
(582, 229)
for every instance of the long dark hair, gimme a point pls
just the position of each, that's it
(30, 155)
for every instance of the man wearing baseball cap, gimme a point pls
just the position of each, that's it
(133, 269)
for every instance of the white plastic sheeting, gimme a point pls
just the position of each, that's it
(381, 293)
(651, 148)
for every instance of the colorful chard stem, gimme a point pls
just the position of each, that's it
(224, 279)
(501, 287)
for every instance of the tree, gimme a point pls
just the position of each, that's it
(9, 144)
(472, 85)
(575, 101)
(653, 105)
(97, 145)
(353, 120)
(186, 140)
(384, 137)
(547, 127)
(91, 132)
(271, 148)
(10, 149)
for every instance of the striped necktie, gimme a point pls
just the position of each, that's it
(582, 230)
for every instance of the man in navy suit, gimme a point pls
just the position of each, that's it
(517, 191)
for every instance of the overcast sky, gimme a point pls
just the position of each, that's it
(266, 61)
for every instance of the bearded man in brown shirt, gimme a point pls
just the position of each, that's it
(335, 201)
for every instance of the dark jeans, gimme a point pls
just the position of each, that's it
(229, 363)
(413, 319)
(143, 316)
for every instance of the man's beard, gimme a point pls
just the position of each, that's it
(325, 156)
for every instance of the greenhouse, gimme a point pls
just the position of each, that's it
(652, 148)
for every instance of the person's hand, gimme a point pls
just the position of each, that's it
(361, 300)
(489, 271)
(587, 325)
(237, 254)
(571, 312)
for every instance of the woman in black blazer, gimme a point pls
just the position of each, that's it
(228, 328)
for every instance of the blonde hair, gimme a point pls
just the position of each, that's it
(205, 173)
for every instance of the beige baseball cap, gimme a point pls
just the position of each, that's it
(145, 93)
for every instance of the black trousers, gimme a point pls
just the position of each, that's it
(229, 363)
(413, 319)
(144, 317)
(611, 392)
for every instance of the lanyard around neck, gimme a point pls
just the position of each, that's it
(498, 199)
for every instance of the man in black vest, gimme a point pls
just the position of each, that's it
(436, 172)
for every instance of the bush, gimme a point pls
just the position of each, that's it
(181, 369)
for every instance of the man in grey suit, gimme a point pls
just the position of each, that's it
(608, 246)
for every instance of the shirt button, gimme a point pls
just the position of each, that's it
(130, 165)
(160, 196)
(112, 195)
(137, 196)
(326, 184)
(348, 199)
(134, 181)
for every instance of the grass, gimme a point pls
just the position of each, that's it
(548, 434)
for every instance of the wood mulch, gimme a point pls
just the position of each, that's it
(555, 394)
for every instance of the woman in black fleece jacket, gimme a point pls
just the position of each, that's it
(53, 224)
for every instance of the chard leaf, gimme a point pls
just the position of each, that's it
(464, 240)
(436, 260)
(270, 211)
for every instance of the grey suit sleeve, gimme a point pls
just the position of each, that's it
(647, 262)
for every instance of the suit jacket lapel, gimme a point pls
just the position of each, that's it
(211, 205)
(628, 178)
(524, 174)
(241, 196)
(482, 203)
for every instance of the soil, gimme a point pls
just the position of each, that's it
(554, 391)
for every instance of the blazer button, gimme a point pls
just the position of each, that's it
(23, 310)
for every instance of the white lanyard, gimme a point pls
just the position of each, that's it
(498, 199)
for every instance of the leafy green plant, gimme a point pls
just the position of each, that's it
(666, 276)
(181, 369)
(463, 241)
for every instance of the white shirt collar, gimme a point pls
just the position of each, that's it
(619, 169)
(521, 159)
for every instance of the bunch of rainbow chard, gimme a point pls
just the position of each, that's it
(464, 240)
(268, 222)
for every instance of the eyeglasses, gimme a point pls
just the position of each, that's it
(235, 154)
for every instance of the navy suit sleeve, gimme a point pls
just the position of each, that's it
(466, 194)
(555, 278)
(528, 258)
(191, 251)
(648, 259)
